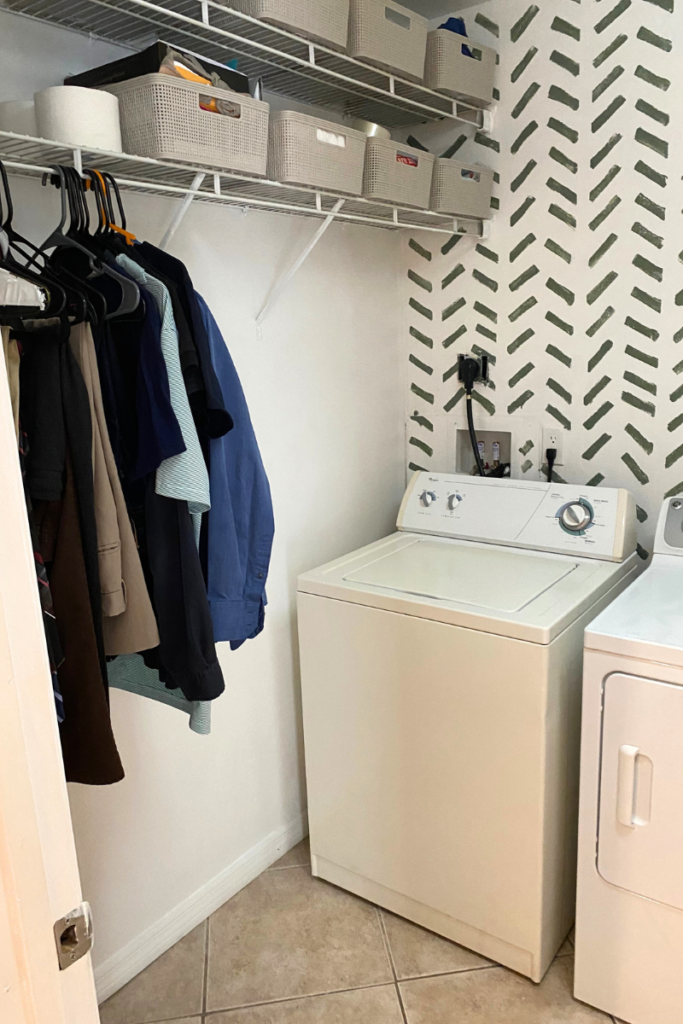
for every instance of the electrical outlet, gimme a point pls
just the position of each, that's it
(473, 368)
(553, 437)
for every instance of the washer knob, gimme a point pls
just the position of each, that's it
(427, 497)
(453, 501)
(576, 517)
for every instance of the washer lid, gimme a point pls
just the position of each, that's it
(526, 595)
(504, 581)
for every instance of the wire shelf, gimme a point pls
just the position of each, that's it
(288, 64)
(27, 156)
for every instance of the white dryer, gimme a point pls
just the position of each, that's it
(441, 675)
(629, 938)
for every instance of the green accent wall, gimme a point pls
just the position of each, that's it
(577, 295)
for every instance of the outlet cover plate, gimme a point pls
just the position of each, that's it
(553, 437)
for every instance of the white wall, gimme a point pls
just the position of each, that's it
(35, 55)
(323, 386)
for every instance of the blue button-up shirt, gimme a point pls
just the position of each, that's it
(240, 523)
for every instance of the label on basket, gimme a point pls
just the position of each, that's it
(407, 159)
(331, 138)
(469, 175)
(397, 18)
(228, 108)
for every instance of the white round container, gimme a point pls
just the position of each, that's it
(18, 116)
(85, 118)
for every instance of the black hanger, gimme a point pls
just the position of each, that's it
(58, 238)
(115, 185)
(107, 239)
(73, 298)
(69, 250)
(122, 231)
(78, 213)
(94, 185)
(58, 299)
(116, 237)
(130, 300)
(86, 302)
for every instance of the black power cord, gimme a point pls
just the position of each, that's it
(470, 371)
(473, 435)
(550, 455)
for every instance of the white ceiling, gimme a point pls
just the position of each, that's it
(437, 8)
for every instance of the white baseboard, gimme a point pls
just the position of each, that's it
(120, 968)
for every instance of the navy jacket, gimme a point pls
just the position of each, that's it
(240, 523)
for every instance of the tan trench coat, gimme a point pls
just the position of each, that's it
(128, 619)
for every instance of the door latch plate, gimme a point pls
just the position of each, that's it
(74, 935)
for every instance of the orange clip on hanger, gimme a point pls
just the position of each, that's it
(127, 235)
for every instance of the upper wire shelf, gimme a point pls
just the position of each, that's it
(31, 157)
(288, 64)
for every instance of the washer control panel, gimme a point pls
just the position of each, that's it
(594, 522)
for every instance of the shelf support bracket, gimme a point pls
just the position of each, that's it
(179, 215)
(284, 281)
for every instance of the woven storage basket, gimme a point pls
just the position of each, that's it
(462, 189)
(448, 68)
(384, 33)
(307, 151)
(326, 21)
(397, 173)
(161, 117)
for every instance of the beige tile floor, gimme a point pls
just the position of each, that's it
(291, 949)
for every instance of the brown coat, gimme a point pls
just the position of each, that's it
(128, 620)
(88, 745)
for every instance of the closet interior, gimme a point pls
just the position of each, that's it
(263, 265)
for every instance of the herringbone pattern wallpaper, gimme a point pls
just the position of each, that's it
(578, 294)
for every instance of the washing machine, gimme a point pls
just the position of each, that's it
(441, 675)
(629, 944)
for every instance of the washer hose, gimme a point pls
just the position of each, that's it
(473, 436)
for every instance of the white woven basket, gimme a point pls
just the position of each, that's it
(326, 21)
(397, 174)
(448, 68)
(462, 189)
(307, 151)
(161, 117)
(393, 37)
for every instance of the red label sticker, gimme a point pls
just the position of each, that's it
(405, 158)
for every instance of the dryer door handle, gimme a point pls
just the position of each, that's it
(626, 784)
